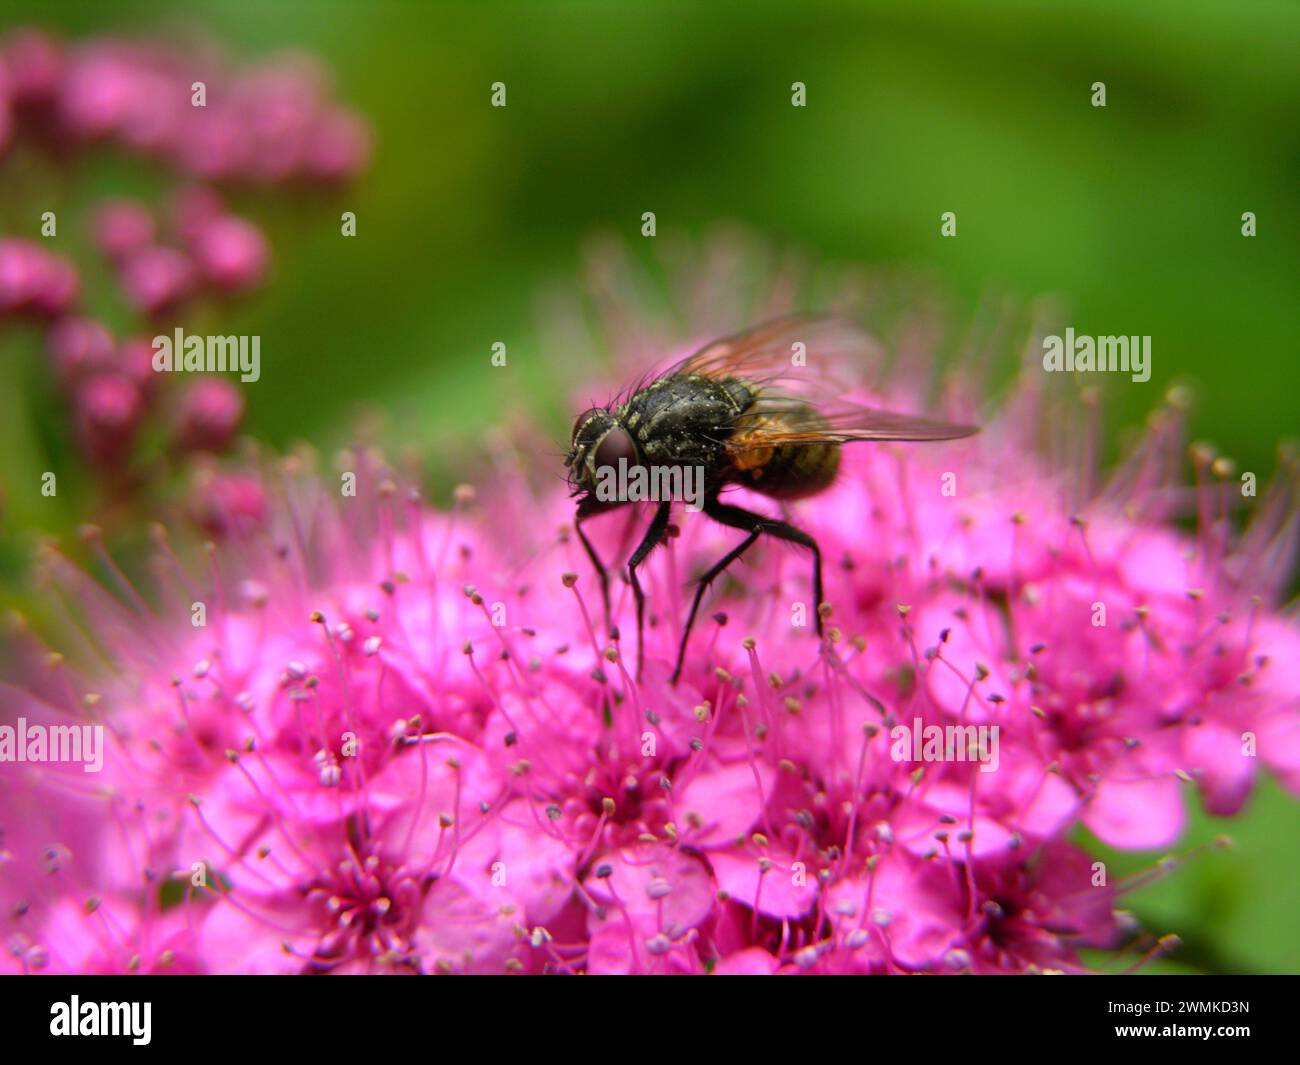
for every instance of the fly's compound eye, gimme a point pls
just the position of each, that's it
(581, 421)
(616, 445)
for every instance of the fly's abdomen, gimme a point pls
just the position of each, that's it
(760, 461)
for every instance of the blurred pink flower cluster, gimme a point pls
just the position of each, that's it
(182, 104)
(385, 737)
(270, 124)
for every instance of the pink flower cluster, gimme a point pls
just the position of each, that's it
(271, 124)
(183, 105)
(35, 283)
(110, 384)
(383, 737)
(219, 253)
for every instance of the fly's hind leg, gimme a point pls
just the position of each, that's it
(755, 525)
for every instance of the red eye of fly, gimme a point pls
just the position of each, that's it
(616, 445)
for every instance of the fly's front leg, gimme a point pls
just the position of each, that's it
(654, 535)
(589, 507)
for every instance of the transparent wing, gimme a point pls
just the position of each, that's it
(795, 353)
(776, 419)
(792, 364)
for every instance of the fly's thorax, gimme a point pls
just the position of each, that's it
(684, 419)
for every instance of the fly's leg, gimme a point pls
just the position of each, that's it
(755, 525)
(589, 507)
(654, 535)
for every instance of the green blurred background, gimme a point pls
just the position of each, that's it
(1130, 215)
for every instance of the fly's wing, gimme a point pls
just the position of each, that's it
(777, 419)
(790, 353)
(791, 364)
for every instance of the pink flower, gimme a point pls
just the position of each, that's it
(228, 504)
(266, 125)
(208, 415)
(78, 346)
(33, 65)
(80, 883)
(33, 281)
(156, 279)
(230, 253)
(108, 409)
